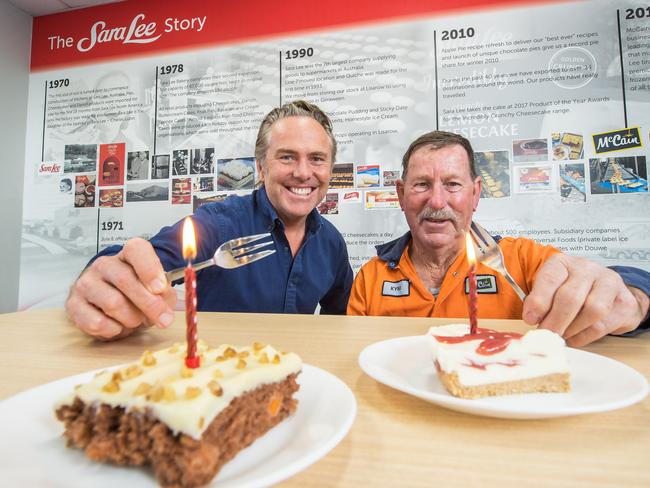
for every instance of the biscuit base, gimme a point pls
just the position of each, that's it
(551, 383)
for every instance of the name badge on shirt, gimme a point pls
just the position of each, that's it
(484, 284)
(396, 288)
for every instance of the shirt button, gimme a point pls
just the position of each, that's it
(391, 265)
(455, 274)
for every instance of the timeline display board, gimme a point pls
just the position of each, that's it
(126, 135)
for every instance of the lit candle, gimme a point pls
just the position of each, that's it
(189, 253)
(473, 302)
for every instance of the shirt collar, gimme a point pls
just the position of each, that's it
(271, 218)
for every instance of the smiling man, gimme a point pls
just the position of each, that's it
(125, 287)
(423, 273)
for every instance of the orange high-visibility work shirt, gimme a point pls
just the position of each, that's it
(389, 285)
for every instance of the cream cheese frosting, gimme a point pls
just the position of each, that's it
(188, 400)
(537, 353)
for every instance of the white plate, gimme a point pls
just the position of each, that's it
(32, 452)
(598, 383)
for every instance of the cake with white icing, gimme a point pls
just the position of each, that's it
(490, 363)
(185, 423)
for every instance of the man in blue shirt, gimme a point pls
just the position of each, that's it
(125, 287)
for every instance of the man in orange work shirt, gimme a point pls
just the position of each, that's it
(423, 273)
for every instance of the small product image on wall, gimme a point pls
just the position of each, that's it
(84, 191)
(527, 150)
(180, 158)
(111, 164)
(148, 192)
(618, 175)
(202, 161)
(494, 168)
(235, 174)
(572, 183)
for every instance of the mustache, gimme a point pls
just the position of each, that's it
(440, 214)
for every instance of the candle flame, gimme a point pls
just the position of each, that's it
(469, 244)
(189, 240)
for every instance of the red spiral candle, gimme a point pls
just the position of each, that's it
(189, 253)
(473, 298)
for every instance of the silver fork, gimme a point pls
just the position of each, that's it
(230, 254)
(490, 254)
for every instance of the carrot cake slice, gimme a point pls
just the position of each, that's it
(184, 423)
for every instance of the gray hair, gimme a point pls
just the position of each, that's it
(437, 140)
(298, 108)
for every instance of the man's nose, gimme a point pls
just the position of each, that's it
(302, 169)
(437, 199)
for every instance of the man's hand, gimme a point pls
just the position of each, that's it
(582, 301)
(117, 294)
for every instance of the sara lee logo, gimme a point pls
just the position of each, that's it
(49, 168)
(137, 32)
(617, 140)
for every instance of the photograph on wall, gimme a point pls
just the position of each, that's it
(181, 191)
(342, 175)
(381, 199)
(618, 175)
(204, 183)
(202, 161)
(160, 167)
(368, 176)
(235, 174)
(80, 158)
(197, 201)
(567, 146)
(529, 150)
(329, 205)
(390, 177)
(111, 197)
(533, 179)
(180, 160)
(572, 183)
(65, 185)
(111, 164)
(494, 168)
(84, 191)
(137, 166)
(147, 192)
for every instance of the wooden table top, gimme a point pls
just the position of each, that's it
(396, 439)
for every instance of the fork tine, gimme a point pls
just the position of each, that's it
(485, 237)
(251, 258)
(477, 241)
(240, 241)
(245, 250)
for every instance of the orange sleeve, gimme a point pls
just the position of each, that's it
(357, 301)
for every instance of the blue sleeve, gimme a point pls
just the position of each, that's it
(335, 302)
(640, 279)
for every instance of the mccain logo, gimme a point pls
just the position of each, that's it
(617, 140)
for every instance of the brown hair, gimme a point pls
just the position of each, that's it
(437, 140)
(298, 108)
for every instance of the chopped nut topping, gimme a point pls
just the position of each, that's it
(111, 387)
(169, 394)
(276, 359)
(217, 373)
(258, 346)
(156, 394)
(132, 372)
(230, 353)
(186, 372)
(175, 348)
(148, 358)
(192, 392)
(284, 353)
(220, 359)
(264, 358)
(215, 388)
(201, 422)
(241, 364)
(142, 389)
(243, 354)
(116, 377)
(76, 387)
(100, 373)
(170, 379)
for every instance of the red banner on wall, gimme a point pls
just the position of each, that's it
(131, 28)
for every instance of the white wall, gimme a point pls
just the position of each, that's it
(15, 44)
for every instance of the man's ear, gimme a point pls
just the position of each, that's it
(399, 186)
(260, 172)
(478, 185)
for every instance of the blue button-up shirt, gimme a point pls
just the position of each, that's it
(319, 273)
